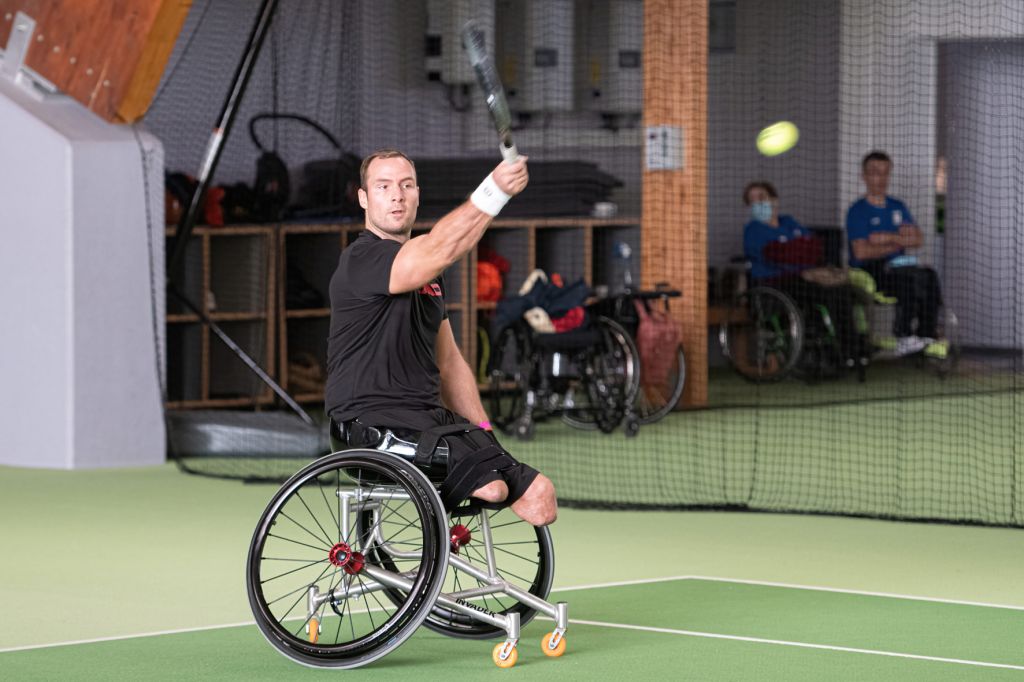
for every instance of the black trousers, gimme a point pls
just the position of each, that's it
(839, 300)
(918, 293)
(408, 424)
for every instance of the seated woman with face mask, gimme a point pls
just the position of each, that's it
(783, 254)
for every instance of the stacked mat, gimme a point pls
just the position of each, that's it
(557, 188)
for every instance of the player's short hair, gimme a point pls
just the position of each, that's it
(381, 154)
(875, 155)
(763, 184)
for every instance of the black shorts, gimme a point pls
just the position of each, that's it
(408, 424)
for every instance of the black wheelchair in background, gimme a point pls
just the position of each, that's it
(767, 337)
(662, 369)
(593, 377)
(588, 376)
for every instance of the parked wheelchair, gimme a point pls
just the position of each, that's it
(589, 377)
(767, 337)
(356, 551)
(661, 383)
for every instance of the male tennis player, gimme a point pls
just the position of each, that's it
(392, 360)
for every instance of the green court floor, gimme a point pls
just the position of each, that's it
(118, 554)
(676, 629)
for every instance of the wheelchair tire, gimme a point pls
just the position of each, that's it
(611, 381)
(762, 335)
(654, 401)
(299, 544)
(509, 378)
(524, 555)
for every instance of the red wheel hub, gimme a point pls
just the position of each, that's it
(460, 537)
(342, 556)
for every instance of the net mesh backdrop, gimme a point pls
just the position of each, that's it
(809, 386)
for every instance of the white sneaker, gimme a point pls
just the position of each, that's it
(908, 345)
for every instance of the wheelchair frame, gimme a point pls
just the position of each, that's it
(769, 334)
(535, 383)
(408, 570)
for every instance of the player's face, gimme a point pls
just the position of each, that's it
(391, 197)
(876, 176)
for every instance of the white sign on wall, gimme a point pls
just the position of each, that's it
(663, 148)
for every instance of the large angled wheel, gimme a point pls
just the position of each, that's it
(611, 380)
(523, 555)
(314, 584)
(509, 377)
(762, 334)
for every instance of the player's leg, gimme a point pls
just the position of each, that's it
(537, 505)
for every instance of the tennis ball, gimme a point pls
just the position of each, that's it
(777, 138)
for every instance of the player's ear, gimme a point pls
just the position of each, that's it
(362, 198)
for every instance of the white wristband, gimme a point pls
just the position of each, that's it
(489, 198)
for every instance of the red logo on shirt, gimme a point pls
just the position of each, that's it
(432, 289)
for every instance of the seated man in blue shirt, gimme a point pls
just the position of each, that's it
(880, 228)
(782, 252)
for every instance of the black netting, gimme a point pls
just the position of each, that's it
(820, 397)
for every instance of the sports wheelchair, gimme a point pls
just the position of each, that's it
(766, 337)
(588, 376)
(356, 551)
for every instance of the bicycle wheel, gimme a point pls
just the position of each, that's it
(610, 381)
(656, 398)
(312, 581)
(762, 334)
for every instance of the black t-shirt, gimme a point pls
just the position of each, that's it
(380, 352)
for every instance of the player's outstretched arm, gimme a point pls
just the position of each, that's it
(423, 258)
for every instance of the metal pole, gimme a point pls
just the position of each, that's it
(222, 129)
(206, 170)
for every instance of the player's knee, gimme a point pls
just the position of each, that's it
(495, 491)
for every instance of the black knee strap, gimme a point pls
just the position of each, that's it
(463, 478)
(428, 440)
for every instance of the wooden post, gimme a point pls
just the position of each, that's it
(674, 216)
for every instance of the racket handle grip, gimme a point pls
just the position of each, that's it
(509, 151)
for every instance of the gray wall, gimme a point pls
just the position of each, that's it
(356, 67)
(82, 291)
(785, 67)
(982, 135)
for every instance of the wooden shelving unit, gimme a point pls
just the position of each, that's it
(270, 284)
(230, 274)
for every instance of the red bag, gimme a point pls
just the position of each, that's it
(657, 336)
(807, 251)
(488, 281)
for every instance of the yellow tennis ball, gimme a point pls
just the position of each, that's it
(777, 138)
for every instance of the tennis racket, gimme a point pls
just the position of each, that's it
(487, 76)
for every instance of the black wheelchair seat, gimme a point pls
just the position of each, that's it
(567, 342)
(395, 441)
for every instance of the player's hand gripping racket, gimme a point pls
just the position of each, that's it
(487, 76)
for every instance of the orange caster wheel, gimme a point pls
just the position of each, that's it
(314, 630)
(507, 662)
(546, 648)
